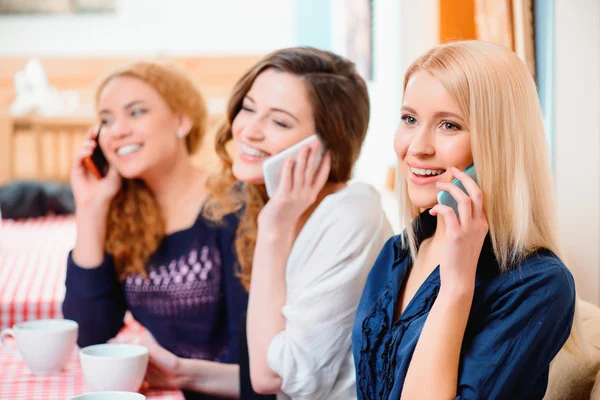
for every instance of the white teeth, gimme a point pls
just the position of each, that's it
(251, 151)
(423, 172)
(130, 148)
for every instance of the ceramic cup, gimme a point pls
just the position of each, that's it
(114, 366)
(45, 345)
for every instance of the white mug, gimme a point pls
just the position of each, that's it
(45, 345)
(114, 366)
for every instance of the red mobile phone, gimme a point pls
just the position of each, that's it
(97, 163)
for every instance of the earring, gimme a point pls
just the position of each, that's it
(180, 134)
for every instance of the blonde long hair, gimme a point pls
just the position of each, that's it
(135, 226)
(498, 97)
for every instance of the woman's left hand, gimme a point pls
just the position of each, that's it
(163, 366)
(301, 182)
(464, 235)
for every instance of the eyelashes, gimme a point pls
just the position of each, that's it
(409, 119)
(445, 124)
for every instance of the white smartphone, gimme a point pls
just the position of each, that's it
(272, 166)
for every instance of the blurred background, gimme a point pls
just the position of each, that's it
(52, 52)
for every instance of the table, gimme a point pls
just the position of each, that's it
(33, 255)
(17, 383)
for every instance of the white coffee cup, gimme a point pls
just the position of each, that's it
(114, 366)
(45, 345)
(110, 396)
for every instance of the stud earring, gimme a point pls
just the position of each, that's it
(180, 134)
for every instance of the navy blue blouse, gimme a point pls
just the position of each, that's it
(519, 320)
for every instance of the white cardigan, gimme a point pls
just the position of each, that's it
(325, 276)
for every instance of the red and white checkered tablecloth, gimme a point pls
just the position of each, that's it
(18, 383)
(33, 255)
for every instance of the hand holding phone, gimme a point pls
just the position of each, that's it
(94, 182)
(97, 163)
(273, 166)
(446, 199)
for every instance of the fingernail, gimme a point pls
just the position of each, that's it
(455, 170)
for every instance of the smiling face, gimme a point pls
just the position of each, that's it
(139, 131)
(432, 138)
(275, 114)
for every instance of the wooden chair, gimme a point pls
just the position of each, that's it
(42, 148)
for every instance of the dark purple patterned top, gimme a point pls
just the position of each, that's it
(191, 301)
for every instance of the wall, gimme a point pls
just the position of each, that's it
(457, 20)
(544, 63)
(150, 27)
(577, 138)
(404, 29)
(313, 24)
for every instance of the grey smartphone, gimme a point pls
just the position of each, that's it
(446, 198)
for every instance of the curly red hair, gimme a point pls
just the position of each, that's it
(135, 226)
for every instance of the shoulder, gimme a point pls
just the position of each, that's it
(542, 266)
(230, 222)
(354, 208)
(542, 279)
(356, 195)
(378, 285)
(391, 255)
(227, 224)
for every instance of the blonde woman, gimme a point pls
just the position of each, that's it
(474, 305)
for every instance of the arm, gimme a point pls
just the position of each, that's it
(94, 299)
(267, 298)
(211, 378)
(91, 233)
(310, 354)
(166, 370)
(277, 226)
(92, 200)
(236, 297)
(436, 357)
